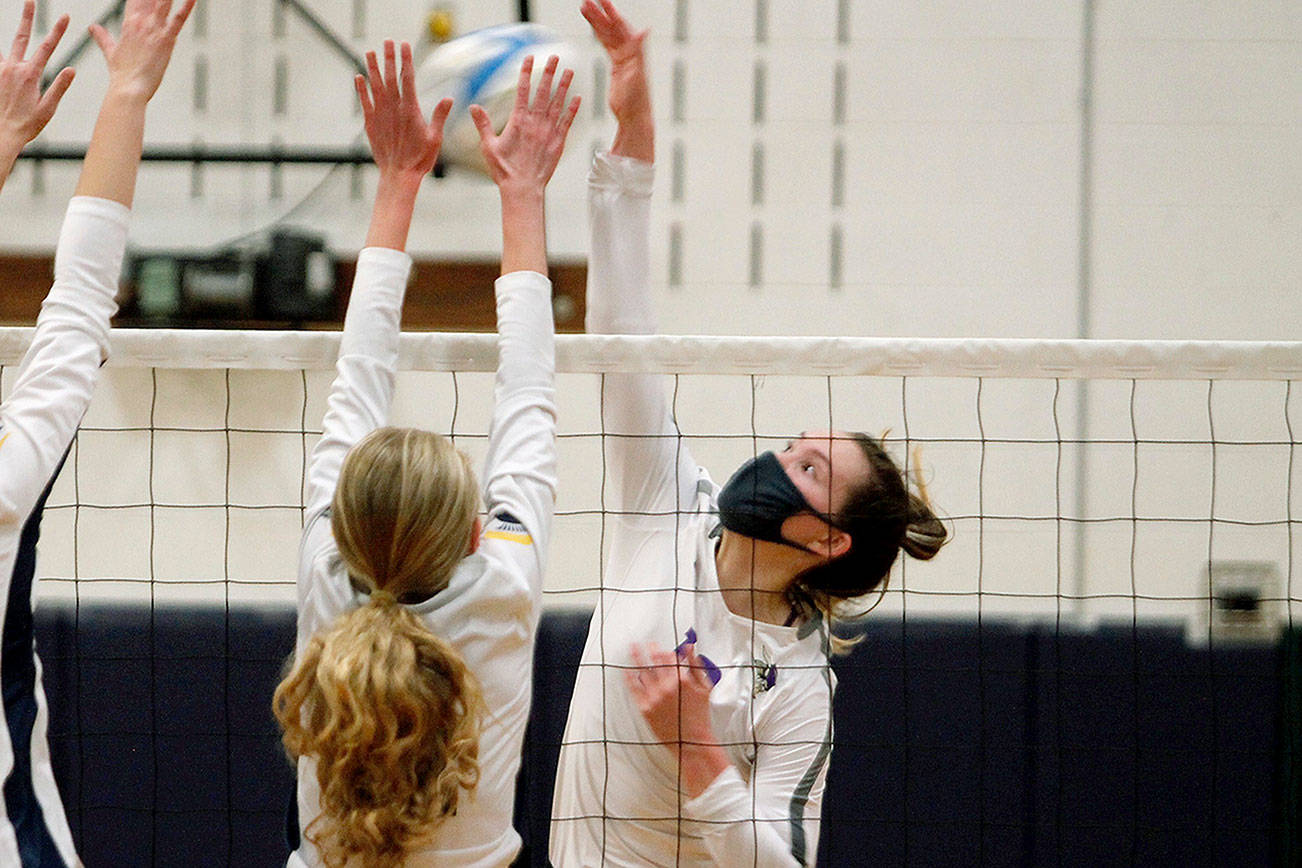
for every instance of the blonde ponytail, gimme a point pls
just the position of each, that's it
(391, 716)
(388, 711)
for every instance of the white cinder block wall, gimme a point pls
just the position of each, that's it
(858, 167)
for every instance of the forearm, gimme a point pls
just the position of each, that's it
(395, 203)
(700, 764)
(736, 834)
(524, 236)
(113, 157)
(636, 138)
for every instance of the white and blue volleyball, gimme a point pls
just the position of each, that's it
(482, 67)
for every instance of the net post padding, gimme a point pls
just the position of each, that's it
(688, 354)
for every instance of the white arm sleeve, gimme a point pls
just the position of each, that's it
(58, 374)
(773, 821)
(651, 469)
(362, 392)
(520, 469)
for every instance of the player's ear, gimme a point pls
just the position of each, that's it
(475, 533)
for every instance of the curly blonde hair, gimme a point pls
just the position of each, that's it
(389, 712)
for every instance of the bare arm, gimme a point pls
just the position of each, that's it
(24, 110)
(137, 59)
(404, 145)
(520, 468)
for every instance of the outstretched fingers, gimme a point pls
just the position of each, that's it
(522, 85)
(50, 42)
(390, 72)
(364, 95)
(50, 99)
(440, 116)
(557, 102)
(178, 20)
(408, 74)
(24, 34)
(545, 83)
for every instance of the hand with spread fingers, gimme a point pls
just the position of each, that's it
(138, 56)
(526, 153)
(522, 159)
(672, 692)
(402, 140)
(24, 109)
(403, 143)
(630, 94)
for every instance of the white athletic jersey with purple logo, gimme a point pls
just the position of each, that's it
(618, 801)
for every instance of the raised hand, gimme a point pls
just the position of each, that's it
(139, 55)
(24, 110)
(630, 94)
(524, 156)
(402, 141)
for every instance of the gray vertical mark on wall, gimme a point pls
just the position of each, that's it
(757, 174)
(355, 182)
(838, 173)
(756, 276)
(677, 171)
(598, 88)
(280, 86)
(834, 267)
(1084, 325)
(200, 25)
(38, 177)
(838, 94)
(276, 174)
(359, 19)
(676, 254)
(196, 177)
(201, 83)
(843, 22)
(757, 92)
(761, 22)
(42, 22)
(680, 21)
(680, 92)
(277, 19)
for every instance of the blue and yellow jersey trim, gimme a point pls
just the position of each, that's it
(505, 526)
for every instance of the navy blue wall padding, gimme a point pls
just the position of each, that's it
(957, 743)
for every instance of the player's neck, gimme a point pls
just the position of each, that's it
(754, 577)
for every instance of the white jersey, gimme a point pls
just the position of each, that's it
(489, 611)
(618, 801)
(37, 423)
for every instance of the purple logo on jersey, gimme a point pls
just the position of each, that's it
(711, 670)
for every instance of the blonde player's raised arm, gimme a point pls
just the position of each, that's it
(410, 608)
(54, 386)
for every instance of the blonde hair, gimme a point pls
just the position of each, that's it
(389, 711)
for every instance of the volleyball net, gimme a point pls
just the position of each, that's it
(1102, 665)
(1155, 479)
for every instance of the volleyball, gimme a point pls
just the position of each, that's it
(482, 67)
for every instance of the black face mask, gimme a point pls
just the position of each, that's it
(759, 498)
